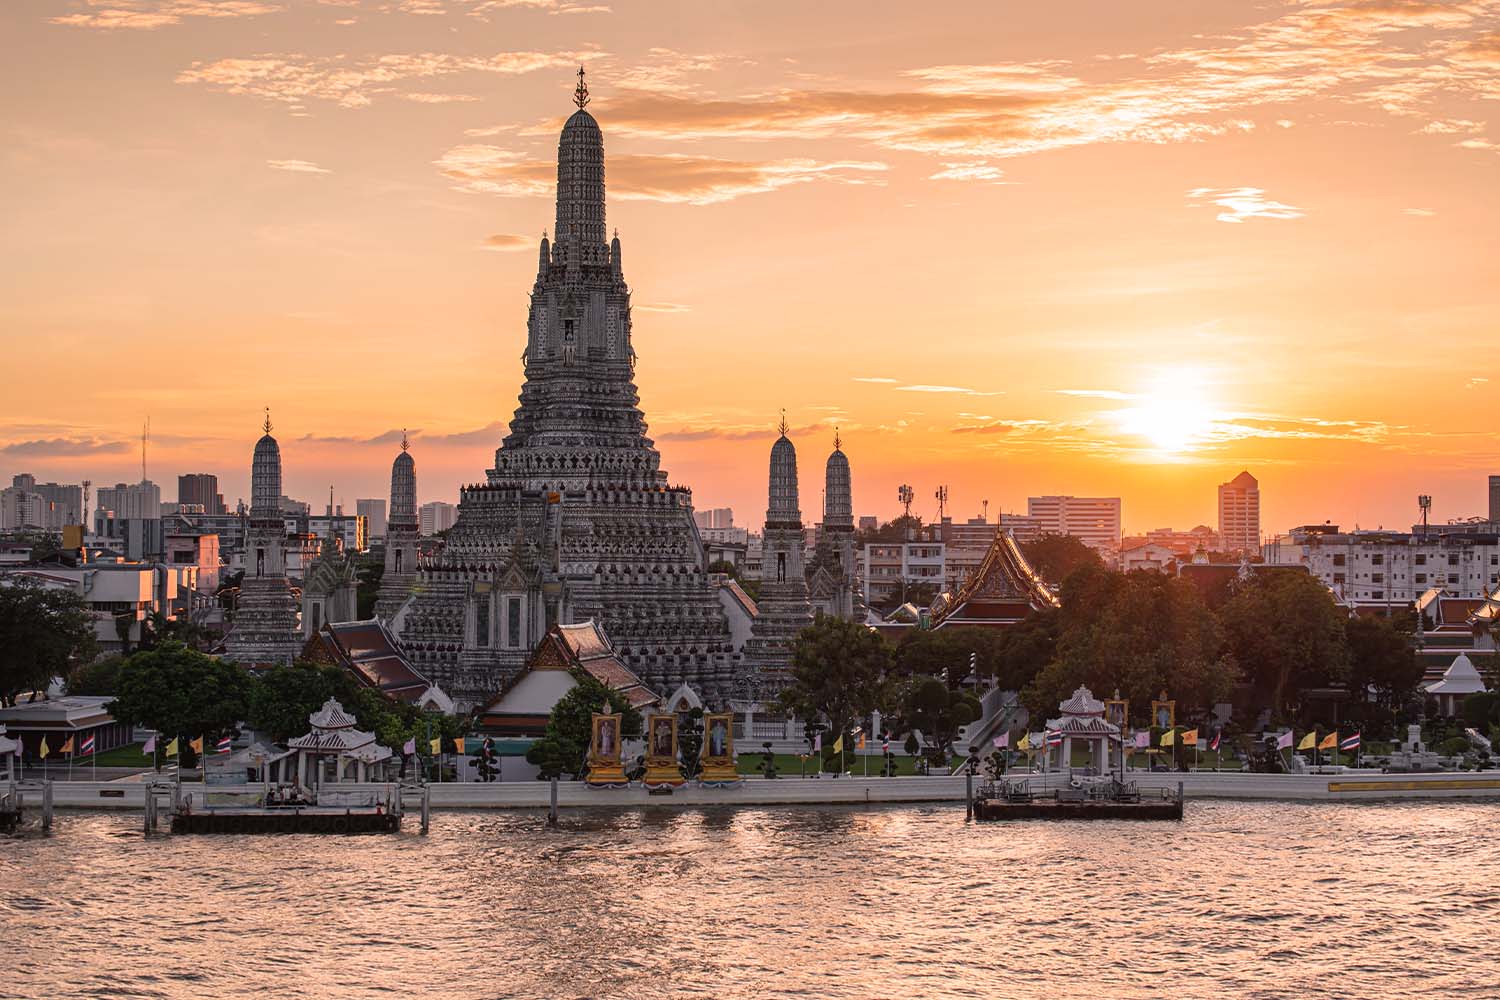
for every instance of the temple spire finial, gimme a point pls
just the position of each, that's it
(782, 426)
(405, 441)
(838, 444)
(267, 424)
(581, 92)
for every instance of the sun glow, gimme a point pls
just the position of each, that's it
(1173, 416)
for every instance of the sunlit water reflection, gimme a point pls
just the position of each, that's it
(1243, 900)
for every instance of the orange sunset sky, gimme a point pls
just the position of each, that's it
(1108, 248)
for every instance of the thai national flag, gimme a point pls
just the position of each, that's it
(1054, 738)
(1350, 742)
(222, 746)
(1214, 744)
(88, 746)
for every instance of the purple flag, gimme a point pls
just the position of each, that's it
(1284, 741)
(818, 741)
(410, 747)
(1002, 741)
(1142, 740)
(150, 746)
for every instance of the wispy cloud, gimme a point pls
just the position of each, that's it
(1098, 393)
(144, 15)
(386, 437)
(958, 389)
(355, 82)
(421, 97)
(663, 307)
(59, 447)
(733, 432)
(673, 178)
(507, 242)
(1242, 203)
(876, 379)
(1425, 213)
(298, 166)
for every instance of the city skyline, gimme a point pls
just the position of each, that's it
(1082, 260)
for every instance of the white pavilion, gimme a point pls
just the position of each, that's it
(335, 751)
(9, 750)
(1082, 719)
(1458, 682)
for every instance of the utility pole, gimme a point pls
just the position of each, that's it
(942, 499)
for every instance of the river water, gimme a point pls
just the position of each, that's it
(1241, 900)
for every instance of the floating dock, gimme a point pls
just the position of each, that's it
(1100, 800)
(308, 820)
(335, 810)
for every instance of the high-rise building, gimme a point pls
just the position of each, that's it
(436, 516)
(1095, 521)
(140, 500)
(49, 506)
(201, 488)
(1495, 499)
(1239, 515)
(373, 511)
(715, 517)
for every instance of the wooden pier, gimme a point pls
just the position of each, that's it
(1103, 800)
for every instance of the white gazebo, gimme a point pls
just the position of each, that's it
(1458, 682)
(9, 750)
(1082, 718)
(326, 753)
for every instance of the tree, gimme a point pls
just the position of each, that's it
(1021, 652)
(1138, 633)
(282, 698)
(1286, 632)
(724, 566)
(931, 706)
(935, 652)
(100, 677)
(1055, 557)
(1382, 660)
(839, 671)
(570, 726)
(44, 633)
(181, 693)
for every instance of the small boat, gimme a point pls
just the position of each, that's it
(1110, 799)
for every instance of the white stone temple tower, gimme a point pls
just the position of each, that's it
(576, 520)
(837, 586)
(265, 616)
(401, 535)
(783, 604)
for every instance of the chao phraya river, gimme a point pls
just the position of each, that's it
(1242, 900)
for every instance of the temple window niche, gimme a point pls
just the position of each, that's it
(513, 622)
(260, 562)
(781, 567)
(482, 617)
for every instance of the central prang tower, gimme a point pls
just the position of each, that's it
(576, 520)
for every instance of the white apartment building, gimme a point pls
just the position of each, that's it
(373, 511)
(1391, 568)
(436, 516)
(352, 530)
(1095, 521)
(131, 501)
(1239, 514)
(887, 566)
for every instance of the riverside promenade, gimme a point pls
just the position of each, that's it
(1349, 786)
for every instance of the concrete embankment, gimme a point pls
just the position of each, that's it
(1349, 786)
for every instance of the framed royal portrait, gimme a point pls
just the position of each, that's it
(661, 737)
(1117, 711)
(1164, 712)
(606, 741)
(718, 737)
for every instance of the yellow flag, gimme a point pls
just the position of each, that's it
(197, 745)
(1309, 741)
(1168, 738)
(1190, 738)
(437, 744)
(66, 747)
(838, 744)
(1329, 742)
(43, 751)
(171, 750)
(1025, 742)
(861, 741)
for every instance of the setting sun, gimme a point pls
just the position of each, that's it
(1172, 416)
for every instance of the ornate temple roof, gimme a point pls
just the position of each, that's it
(371, 653)
(403, 487)
(1002, 591)
(783, 506)
(838, 498)
(265, 474)
(331, 716)
(1082, 702)
(1459, 679)
(580, 175)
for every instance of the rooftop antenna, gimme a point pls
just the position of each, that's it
(1424, 503)
(942, 499)
(984, 507)
(905, 494)
(581, 92)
